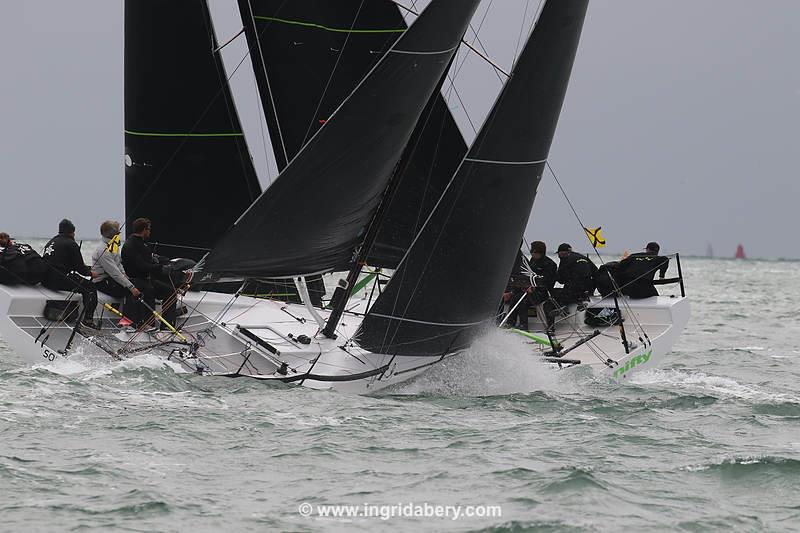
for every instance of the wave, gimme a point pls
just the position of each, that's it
(89, 367)
(751, 464)
(576, 480)
(719, 386)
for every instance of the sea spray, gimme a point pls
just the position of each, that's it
(498, 363)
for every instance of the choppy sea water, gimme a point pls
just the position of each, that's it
(710, 441)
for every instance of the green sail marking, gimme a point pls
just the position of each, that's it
(327, 28)
(158, 134)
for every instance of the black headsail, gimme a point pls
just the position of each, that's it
(308, 56)
(186, 155)
(447, 287)
(315, 214)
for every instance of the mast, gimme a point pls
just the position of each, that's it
(436, 303)
(183, 136)
(377, 224)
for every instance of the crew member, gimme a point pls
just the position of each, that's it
(636, 272)
(19, 263)
(66, 269)
(518, 285)
(107, 273)
(546, 274)
(143, 270)
(577, 273)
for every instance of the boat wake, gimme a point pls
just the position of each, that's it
(719, 386)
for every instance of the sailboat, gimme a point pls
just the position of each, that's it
(374, 174)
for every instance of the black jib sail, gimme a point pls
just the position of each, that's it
(314, 216)
(448, 286)
(187, 164)
(308, 56)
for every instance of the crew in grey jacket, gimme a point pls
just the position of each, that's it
(107, 272)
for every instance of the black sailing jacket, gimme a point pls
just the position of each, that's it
(137, 259)
(63, 255)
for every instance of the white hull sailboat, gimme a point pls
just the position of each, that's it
(380, 177)
(258, 338)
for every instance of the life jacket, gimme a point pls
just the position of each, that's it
(20, 263)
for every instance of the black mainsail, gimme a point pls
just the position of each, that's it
(447, 287)
(182, 132)
(308, 56)
(314, 216)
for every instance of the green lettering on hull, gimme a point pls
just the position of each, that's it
(633, 363)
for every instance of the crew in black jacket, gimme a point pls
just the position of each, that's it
(142, 268)
(66, 269)
(518, 285)
(546, 274)
(19, 263)
(636, 272)
(577, 273)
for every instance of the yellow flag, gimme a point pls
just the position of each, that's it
(113, 244)
(595, 236)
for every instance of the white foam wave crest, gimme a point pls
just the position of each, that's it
(94, 366)
(718, 385)
(498, 363)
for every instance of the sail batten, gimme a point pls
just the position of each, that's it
(315, 214)
(447, 286)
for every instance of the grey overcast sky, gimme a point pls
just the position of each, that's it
(682, 121)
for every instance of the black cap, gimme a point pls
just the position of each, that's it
(564, 247)
(66, 226)
(652, 247)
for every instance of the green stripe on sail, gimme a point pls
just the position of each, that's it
(535, 338)
(327, 28)
(162, 134)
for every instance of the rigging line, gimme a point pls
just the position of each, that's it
(637, 324)
(266, 75)
(478, 38)
(230, 107)
(464, 42)
(333, 73)
(452, 78)
(463, 106)
(521, 30)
